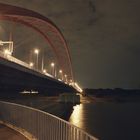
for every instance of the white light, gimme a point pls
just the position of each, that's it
(60, 71)
(36, 51)
(1, 42)
(52, 64)
(7, 52)
(44, 71)
(59, 80)
(78, 87)
(31, 64)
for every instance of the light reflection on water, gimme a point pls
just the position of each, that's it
(108, 120)
(77, 115)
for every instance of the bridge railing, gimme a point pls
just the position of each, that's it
(17, 61)
(42, 125)
(13, 59)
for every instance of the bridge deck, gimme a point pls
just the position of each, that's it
(7, 133)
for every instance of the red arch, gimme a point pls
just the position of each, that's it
(45, 27)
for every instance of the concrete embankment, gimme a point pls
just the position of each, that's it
(47, 104)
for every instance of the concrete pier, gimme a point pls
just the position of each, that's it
(69, 98)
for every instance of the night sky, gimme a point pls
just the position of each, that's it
(103, 37)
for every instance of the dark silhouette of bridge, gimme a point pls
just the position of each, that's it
(15, 78)
(16, 75)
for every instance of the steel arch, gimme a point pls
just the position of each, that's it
(45, 27)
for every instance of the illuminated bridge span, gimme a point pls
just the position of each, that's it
(46, 28)
(18, 75)
(56, 41)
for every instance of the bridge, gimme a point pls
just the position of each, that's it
(17, 75)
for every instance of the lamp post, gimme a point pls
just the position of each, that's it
(44, 71)
(36, 51)
(31, 64)
(71, 82)
(65, 78)
(53, 69)
(61, 74)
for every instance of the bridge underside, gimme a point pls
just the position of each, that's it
(18, 78)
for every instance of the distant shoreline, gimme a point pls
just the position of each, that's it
(117, 95)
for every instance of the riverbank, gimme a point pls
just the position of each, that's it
(48, 104)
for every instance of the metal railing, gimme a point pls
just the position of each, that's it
(17, 61)
(42, 125)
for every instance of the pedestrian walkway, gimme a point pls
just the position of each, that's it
(7, 133)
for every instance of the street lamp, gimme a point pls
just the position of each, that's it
(44, 71)
(10, 51)
(52, 64)
(71, 82)
(65, 78)
(53, 69)
(31, 64)
(36, 51)
(61, 74)
(7, 52)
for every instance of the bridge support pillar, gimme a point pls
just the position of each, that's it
(69, 98)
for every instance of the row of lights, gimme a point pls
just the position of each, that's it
(31, 64)
(63, 77)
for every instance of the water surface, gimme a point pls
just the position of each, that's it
(108, 120)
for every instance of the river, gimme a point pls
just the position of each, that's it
(108, 120)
